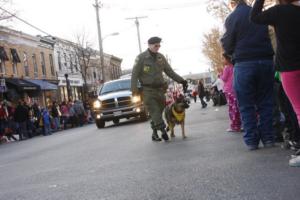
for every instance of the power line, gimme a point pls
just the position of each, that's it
(177, 6)
(162, 7)
(22, 20)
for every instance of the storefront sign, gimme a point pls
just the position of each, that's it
(29, 88)
(73, 82)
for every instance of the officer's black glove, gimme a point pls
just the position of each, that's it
(184, 86)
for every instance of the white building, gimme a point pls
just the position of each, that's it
(67, 63)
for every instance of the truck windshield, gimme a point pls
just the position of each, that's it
(115, 86)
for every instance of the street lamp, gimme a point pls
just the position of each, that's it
(111, 34)
(102, 54)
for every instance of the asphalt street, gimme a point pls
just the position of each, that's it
(122, 163)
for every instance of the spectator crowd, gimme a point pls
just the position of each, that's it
(29, 119)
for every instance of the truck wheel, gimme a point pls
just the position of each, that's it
(100, 124)
(116, 121)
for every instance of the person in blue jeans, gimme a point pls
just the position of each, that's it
(250, 47)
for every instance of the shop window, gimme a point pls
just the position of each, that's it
(15, 69)
(71, 64)
(76, 65)
(2, 67)
(15, 56)
(66, 95)
(59, 60)
(74, 93)
(43, 64)
(3, 58)
(25, 62)
(51, 65)
(35, 67)
(3, 55)
(95, 76)
(65, 57)
(15, 60)
(62, 94)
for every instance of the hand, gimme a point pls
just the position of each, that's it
(184, 85)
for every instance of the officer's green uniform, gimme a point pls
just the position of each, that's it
(148, 69)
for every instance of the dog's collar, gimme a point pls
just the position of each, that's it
(178, 116)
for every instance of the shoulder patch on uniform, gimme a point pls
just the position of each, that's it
(147, 68)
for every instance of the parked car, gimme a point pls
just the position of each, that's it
(115, 101)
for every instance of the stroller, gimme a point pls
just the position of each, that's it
(218, 97)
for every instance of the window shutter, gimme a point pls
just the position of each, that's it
(3, 55)
(15, 56)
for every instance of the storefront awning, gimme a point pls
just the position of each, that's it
(44, 85)
(22, 84)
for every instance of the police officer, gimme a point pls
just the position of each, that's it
(148, 70)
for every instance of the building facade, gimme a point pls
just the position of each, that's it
(68, 70)
(112, 67)
(53, 68)
(25, 58)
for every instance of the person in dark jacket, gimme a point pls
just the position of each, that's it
(251, 51)
(201, 93)
(286, 20)
(21, 116)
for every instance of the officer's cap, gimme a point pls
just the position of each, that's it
(154, 40)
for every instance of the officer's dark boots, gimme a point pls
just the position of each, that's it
(155, 136)
(164, 134)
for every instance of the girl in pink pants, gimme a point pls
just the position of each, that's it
(233, 109)
(290, 81)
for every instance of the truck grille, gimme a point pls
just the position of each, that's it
(124, 101)
(109, 103)
(116, 103)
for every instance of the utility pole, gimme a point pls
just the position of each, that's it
(97, 6)
(137, 23)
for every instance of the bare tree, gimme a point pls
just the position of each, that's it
(5, 14)
(218, 9)
(211, 46)
(84, 52)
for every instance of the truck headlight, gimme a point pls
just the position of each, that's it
(136, 99)
(97, 104)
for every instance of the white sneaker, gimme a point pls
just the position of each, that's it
(295, 162)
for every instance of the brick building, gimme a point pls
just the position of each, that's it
(27, 66)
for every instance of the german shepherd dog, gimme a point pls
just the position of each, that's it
(175, 114)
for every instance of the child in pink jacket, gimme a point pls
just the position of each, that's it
(234, 113)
